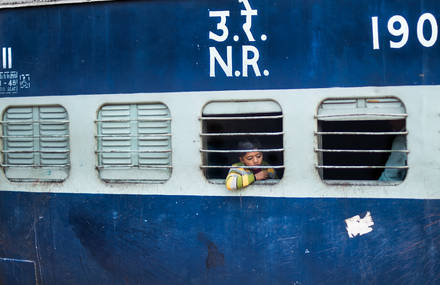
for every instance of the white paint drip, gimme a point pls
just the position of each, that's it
(16, 260)
(357, 226)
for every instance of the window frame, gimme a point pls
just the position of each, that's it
(320, 166)
(139, 170)
(204, 165)
(41, 172)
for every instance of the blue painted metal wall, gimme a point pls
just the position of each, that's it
(148, 46)
(219, 240)
(16, 271)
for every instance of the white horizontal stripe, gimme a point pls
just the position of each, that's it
(301, 178)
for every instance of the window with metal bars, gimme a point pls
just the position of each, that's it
(226, 123)
(362, 139)
(36, 143)
(134, 143)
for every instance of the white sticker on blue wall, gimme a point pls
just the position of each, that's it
(359, 226)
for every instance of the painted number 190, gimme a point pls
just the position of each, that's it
(398, 27)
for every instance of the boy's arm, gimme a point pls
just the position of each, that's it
(238, 178)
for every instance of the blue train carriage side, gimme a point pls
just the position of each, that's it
(120, 120)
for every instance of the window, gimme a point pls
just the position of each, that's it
(226, 123)
(36, 143)
(134, 143)
(362, 139)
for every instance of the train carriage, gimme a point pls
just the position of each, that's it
(120, 121)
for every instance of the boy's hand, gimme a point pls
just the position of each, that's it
(262, 175)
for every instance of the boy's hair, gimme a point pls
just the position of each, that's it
(247, 146)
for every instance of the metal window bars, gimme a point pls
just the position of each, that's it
(240, 151)
(230, 135)
(241, 134)
(246, 167)
(348, 115)
(323, 150)
(357, 114)
(362, 133)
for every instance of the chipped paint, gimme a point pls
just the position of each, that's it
(16, 260)
(359, 226)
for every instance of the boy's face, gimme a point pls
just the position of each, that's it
(254, 158)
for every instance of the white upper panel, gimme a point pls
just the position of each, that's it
(361, 109)
(241, 107)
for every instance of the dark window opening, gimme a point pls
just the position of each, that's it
(357, 142)
(229, 143)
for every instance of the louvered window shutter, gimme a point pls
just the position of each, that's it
(134, 143)
(36, 143)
